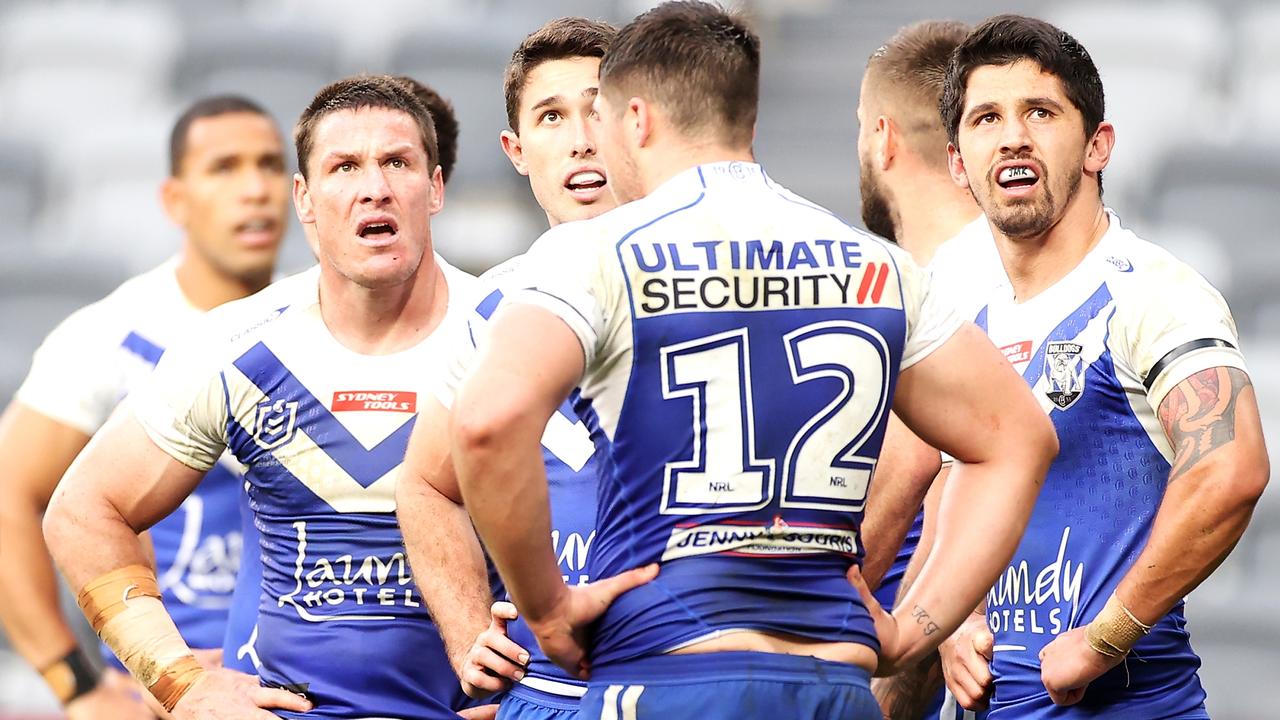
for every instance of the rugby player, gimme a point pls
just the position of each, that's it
(715, 323)
(908, 197)
(238, 652)
(1135, 359)
(228, 192)
(313, 385)
(550, 85)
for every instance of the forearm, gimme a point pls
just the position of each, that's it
(504, 485)
(903, 474)
(29, 608)
(906, 695)
(444, 549)
(954, 578)
(1199, 521)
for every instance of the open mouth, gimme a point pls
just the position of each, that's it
(378, 230)
(256, 232)
(586, 183)
(1017, 177)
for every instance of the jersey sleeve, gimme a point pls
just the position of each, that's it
(564, 277)
(1181, 326)
(931, 319)
(183, 404)
(75, 377)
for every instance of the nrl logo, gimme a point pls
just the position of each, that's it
(1064, 368)
(275, 423)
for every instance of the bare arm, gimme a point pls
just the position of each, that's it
(37, 451)
(903, 474)
(966, 400)
(1220, 469)
(440, 540)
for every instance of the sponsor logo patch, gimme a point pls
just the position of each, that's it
(275, 423)
(375, 400)
(777, 539)
(1018, 352)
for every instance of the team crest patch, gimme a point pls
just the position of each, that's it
(275, 423)
(1064, 368)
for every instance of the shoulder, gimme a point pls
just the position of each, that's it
(246, 320)
(1142, 273)
(108, 321)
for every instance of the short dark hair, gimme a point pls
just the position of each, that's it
(1006, 39)
(567, 37)
(445, 120)
(697, 60)
(912, 67)
(364, 91)
(205, 108)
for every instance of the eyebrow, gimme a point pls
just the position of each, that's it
(979, 110)
(590, 92)
(344, 155)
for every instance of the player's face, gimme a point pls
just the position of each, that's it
(556, 146)
(370, 195)
(624, 174)
(1022, 147)
(877, 208)
(231, 195)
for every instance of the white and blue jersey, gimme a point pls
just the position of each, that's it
(573, 467)
(81, 372)
(741, 349)
(1100, 349)
(322, 431)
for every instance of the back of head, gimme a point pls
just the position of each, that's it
(444, 119)
(904, 80)
(205, 108)
(358, 93)
(559, 39)
(698, 62)
(1007, 39)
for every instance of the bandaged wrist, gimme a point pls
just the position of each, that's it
(71, 676)
(1115, 630)
(125, 610)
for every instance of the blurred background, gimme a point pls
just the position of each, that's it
(90, 88)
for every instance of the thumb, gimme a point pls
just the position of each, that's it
(860, 584)
(984, 642)
(608, 590)
(500, 613)
(265, 697)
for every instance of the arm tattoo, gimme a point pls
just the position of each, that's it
(1199, 415)
(906, 696)
(923, 619)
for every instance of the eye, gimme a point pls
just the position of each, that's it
(345, 167)
(1041, 113)
(397, 163)
(550, 116)
(987, 119)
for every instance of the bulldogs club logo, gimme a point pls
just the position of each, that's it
(1064, 368)
(275, 423)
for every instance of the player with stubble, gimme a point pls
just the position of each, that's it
(709, 299)
(1135, 359)
(228, 192)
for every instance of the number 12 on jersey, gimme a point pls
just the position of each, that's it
(823, 468)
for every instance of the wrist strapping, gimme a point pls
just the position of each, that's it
(71, 676)
(1115, 630)
(125, 609)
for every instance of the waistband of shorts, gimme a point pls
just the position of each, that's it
(737, 665)
(548, 692)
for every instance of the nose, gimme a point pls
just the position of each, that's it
(256, 186)
(1015, 139)
(584, 141)
(374, 188)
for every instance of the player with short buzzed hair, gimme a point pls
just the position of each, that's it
(445, 120)
(1135, 359)
(739, 348)
(227, 191)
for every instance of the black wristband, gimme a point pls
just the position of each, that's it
(72, 676)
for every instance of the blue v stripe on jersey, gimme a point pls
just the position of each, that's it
(142, 347)
(1070, 327)
(364, 465)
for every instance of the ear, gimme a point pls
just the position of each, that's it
(302, 200)
(639, 121)
(955, 165)
(437, 191)
(173, 198)
(514, 150)
(886, 139)
(1098, 154)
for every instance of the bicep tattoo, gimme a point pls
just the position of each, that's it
(1199, 415)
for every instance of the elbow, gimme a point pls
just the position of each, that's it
(1043, 441)
(56, 521)
(1249, 477)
